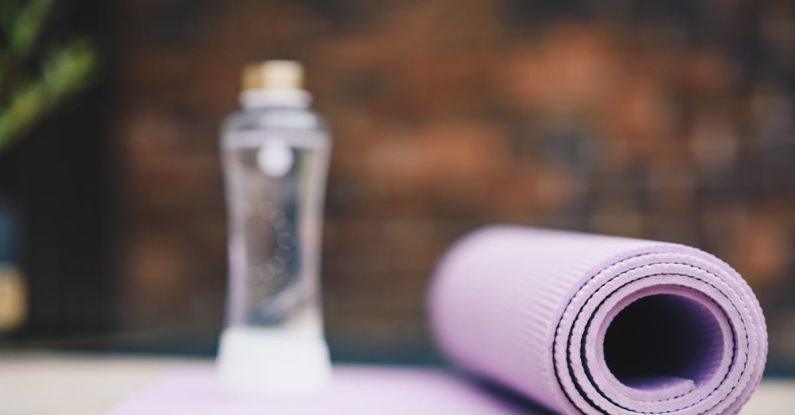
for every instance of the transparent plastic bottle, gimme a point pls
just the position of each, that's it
(275, 153)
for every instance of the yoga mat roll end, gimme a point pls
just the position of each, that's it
(597, 324)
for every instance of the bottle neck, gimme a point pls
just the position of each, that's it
(296, 98)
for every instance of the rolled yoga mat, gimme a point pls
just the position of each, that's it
(597, 324)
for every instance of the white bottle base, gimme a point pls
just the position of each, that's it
(272, 362)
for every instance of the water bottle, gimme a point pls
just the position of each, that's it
(275, 153)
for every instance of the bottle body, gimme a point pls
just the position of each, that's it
(275, 155)
(275, 180)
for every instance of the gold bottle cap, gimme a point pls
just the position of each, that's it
(273, 74)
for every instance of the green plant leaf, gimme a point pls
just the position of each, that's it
(66, 71)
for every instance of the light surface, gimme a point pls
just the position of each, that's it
(44, 384)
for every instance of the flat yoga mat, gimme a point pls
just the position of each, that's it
(599, 325)
(354, 390)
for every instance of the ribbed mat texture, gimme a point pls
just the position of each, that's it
(597, 324)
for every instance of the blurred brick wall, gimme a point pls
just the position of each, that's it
(672, 122)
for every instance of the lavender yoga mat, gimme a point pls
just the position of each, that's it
(353, 390)
(597, 324)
